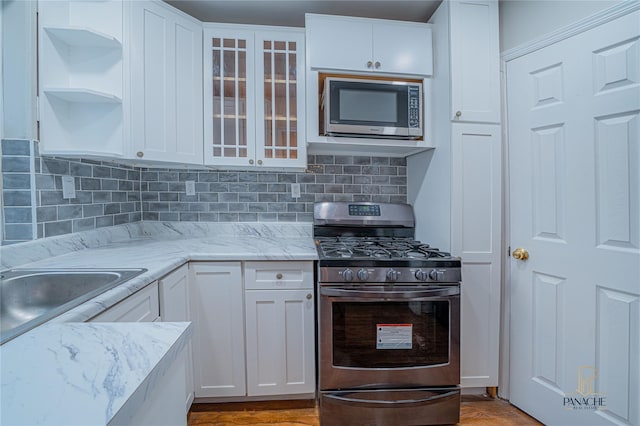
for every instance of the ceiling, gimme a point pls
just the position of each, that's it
(291, 12)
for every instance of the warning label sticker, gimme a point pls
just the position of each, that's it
(394, 336)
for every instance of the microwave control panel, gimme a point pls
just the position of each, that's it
(414, 106)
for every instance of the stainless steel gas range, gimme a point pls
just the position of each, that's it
(388, 319)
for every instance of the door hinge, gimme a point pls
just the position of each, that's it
(509, 251)
(38, 108)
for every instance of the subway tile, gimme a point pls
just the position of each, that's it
(380, 180)
(397, 199)
(344, 159)
(353, 189)
(16, 181)
(119, 219)
(248, 177)
(133, 175)
(247, 217)
(286, 217)
(325, 179)
(164, 196)
(69, 212)
(169, 216)
(398, 161)
(267, 217)
(112, 208)
(258, 187)
(188, 217)
(109, 184)
(207, 197)
(201, 187)
(208, 217)
(344, 179)
(176, 186)
(79, 169)
(185, 176)
(352, 170)
(127, 207)
(376, 198)
(82, 197)
(277, 187)
(101, 172)
(267, 198)
(45, 182)
(334, 169)
(318, 198)
(46, 214)
(229, 197)
(391, 171)
(304, 217)
(16, 198)
(295, 207)
(380, 161)
(371, 170)
(118, 197)
(202, 177)
(79, 225)
(15, 147)
(18, 215)
(398, 180)
(268, 177)
(325, 159)
(276, 207)
(257, 207)
(55, 166)
(125, 185)
(287, 178)
(371, 189)
(101, 197)
(228, 177)
(238, 187)
(18, 232)
(16, 164)
(182, 196)
(334, 189)
(198, 207)
(148, 216)
(52, 229)
(92, 210)
(388, 189)
(218, 207)
(158, 186)
(306, 178)
(362, 180)
(361, 197)
(362, 160)
(135, 217)
(146, 176)
(133, 196)
(343, 197)
(90, 184)
(218, 187)
(247, 197)
(157, 207)
(228, 217)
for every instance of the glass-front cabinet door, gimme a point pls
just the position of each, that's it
(254, 108)
(280, 64)
(229, 98)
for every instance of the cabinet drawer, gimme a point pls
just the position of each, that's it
(278, 275)
(143, 306)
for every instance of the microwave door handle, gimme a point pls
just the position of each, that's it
(399, 402)
(435, 291)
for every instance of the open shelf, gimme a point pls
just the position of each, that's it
(83, 37)
(82, 95)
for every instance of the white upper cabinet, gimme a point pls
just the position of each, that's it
(166, 84)
(254, 97)
(475, 61)
(369, 45)
(81, 78)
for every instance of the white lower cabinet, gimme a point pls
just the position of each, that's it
(269, 317)
(142, 306)
(175, 307)
(279, 309)
(218, 321)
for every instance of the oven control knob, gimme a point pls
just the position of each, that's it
(392, 275)
(436, 275)
(347, 275)
(363, 274)
(421, 275)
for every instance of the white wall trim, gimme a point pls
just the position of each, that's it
(578, 27)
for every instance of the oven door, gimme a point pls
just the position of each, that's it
(380, 337)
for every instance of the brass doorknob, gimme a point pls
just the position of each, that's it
(520, 254)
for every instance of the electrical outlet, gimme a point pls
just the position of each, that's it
(295, 190)
(190, 186)
(68, 187)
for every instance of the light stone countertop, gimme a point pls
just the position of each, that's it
(38, 366)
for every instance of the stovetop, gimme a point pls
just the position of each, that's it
(376, 248)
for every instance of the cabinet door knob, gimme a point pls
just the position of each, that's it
(139, 154)
(369, 64)
(458, 113)
(279, 276)
(260, 162)
(250, 161)
(377, 64)
(309, 296)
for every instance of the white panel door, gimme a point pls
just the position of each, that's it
(218, 321)
(175, 306)
(574, 134)
(166, 70)
(280, 342)
(475, 61)
(476, 213)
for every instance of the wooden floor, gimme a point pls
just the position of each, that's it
(474, 410)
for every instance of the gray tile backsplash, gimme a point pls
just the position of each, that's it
(109, 194)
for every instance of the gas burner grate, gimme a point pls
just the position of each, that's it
(392, 248)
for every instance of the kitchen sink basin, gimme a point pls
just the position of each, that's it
(30, 297)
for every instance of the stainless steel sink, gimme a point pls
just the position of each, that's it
(30, 297)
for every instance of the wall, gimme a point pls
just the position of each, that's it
(109, 194)
(524, 20)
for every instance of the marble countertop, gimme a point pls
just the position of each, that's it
(89, 369)
(85, 374)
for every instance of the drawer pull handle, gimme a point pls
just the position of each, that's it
(279, 276)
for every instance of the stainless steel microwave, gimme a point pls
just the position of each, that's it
(372, 108)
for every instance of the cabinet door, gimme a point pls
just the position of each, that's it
(174, 306)
(142, 306)
(166, 68)
(218, 320)
(476, 230)
(280, 89)
(339, 43)
(402, 48)
(475, 61)
(280, 342)
(229, 88)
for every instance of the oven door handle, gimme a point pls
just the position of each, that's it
(400, 294)
(398, 402)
